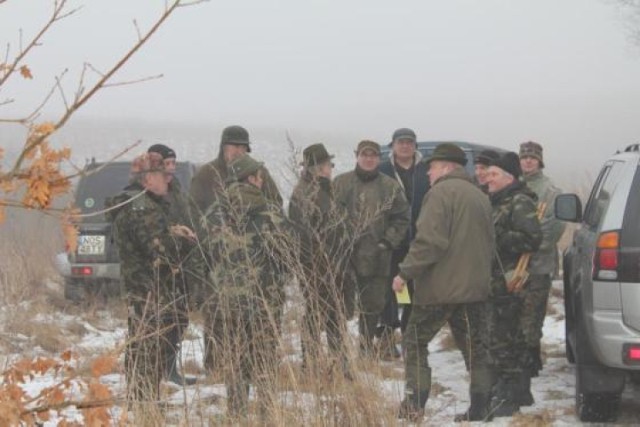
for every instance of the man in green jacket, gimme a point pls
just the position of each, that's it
(544, 263)
(321, 227)
(450, 263)
(379, 216)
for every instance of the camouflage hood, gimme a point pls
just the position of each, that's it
(116, 203)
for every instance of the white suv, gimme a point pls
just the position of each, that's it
(602, 286)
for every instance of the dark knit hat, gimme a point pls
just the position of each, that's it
(243, 167)
(510, 163)
(315, 154)
(448, 152)
(486, 157)
(235, 135)
(163, 150)
(532, 149)
(403, 133)
(368, 145)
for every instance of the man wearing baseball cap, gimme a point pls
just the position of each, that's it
(406, 167)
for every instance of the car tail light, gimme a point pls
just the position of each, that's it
(82, 271)
(631, 354)
(606, 259)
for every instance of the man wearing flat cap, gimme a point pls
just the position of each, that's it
(405, 165)
(517, 233)
(449, 261)
(379, 216)
(209, 186)
(481, 165)
(321, 226)
(544, 263)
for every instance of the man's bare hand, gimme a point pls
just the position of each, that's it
(398, 284)
(183, 231)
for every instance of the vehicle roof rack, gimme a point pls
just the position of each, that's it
(632, 147)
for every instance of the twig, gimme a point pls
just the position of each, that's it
(130, 82)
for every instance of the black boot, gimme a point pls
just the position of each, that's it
(479, 409)
(171, 372)
(526, 398)
(506, 400)
(412, 406)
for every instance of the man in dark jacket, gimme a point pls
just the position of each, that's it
(517, 232)
(450, 263)
(150, 248)
(406, 167)
(379, 215)
(324, 251)
(209, 181)
(209, 186)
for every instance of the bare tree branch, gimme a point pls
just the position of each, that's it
(58, 14)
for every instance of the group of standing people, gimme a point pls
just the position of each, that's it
(453, 240)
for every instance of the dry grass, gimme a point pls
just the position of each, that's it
(542, 419)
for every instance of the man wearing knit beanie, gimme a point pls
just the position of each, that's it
(517, 232)
(545, 262)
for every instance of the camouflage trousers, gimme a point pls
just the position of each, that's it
(507, 344)
(155, 331)
(372, 296)
(534, 310)
(245, 339)
(424, 323)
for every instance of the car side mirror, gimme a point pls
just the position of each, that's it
(568, 208)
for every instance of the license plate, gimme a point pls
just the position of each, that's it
(91, 245)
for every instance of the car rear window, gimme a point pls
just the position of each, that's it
(630, 236)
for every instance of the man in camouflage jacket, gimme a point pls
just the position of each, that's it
(379, 214)
(191, 272)
(324, 252)
(209, 186)
(517, 232)
(544, 263)
(248, 248)
(149, 247)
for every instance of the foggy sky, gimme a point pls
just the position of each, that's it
(563, 73)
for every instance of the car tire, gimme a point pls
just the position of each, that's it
(74, 291)
(595, 407)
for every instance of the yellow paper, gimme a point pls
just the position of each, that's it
(403, 296)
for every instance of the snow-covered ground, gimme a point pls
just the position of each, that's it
(553, 390)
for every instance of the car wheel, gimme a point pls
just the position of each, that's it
(595, 407)
(73, 291)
